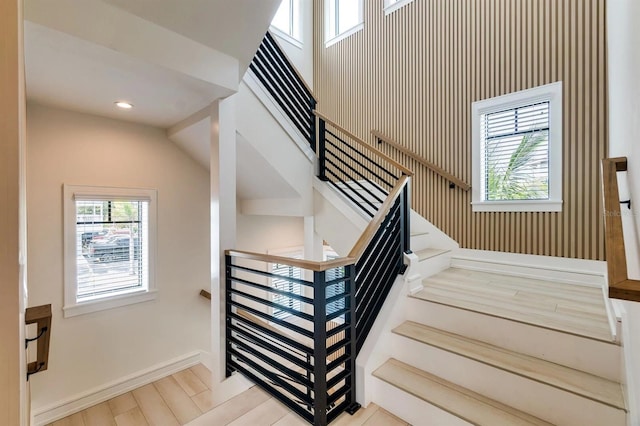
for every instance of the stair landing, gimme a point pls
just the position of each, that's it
(573, 309)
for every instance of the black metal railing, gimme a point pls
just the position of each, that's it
(298, 339)
(357, 170)
(305, 357)
(380, 264)
(288, 89)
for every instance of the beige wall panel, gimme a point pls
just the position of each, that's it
(413, 75)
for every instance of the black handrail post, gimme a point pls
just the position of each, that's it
(405, 220)
(320, 348)
(312, 124)
(351, 348)
(321, 150)
(227, 311)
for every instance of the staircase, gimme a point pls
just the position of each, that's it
(491, 348)
(451, 343)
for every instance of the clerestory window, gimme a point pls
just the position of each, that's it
(287, 22)
(343, 18)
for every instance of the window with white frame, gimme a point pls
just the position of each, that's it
(109, 240)
(287, 21)
(391, 6)
(343, 18)
(517, 151)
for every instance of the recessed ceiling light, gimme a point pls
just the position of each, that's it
(124, 105)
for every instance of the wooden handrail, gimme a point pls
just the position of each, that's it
(311, 265)
(40, 315)
(429, 165)
(620, 286)
(370, 231)
(365, 145)
(354, 254)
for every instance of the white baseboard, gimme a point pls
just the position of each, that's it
(590, 273)
(79, 402)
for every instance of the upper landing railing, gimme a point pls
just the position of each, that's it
(286, 86)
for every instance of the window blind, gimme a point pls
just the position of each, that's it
(335, 289)
(283, 284)
(111, 247)
(515, 150)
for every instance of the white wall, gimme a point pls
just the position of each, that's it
(257, 126)
(90, 350)
(265, 233)
(624, 140)
(302, 58)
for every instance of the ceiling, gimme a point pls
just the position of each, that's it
(234, 27)
(75, 74)
(169, 58)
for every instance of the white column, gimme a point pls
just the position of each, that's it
(623, 36)
(624, 109)
(223, 218)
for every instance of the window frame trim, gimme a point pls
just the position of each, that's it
(389, 8)
(330, 40)
(71, 193)
(551, 93)
(296, 12)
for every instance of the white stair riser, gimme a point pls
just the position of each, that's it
(413, 410)
(592, 356)
(420, 242)
(543, 401)
(433, 265)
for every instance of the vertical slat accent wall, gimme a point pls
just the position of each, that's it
(414, 73)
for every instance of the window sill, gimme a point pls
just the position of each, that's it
(388, 10)
(344, 35)
(109, 303)
(286, 37)
(519, 206)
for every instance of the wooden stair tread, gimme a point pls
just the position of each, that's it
(459, 401)
(430, 252)
(577, 382)
(520, 306)
(562, 307)
(542, 288)
(602, 333)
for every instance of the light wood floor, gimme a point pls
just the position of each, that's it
(185, 397)
(569, 308)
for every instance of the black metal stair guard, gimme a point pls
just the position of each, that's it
(300, 341)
